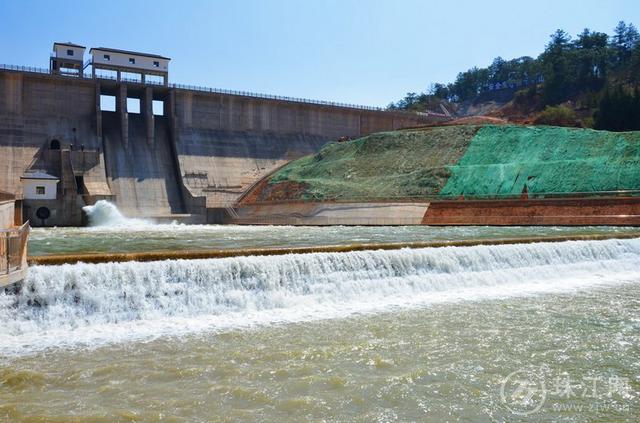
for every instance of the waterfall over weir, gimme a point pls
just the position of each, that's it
(93, 304)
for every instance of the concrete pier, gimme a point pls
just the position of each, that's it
(124, 115)
(148, 115)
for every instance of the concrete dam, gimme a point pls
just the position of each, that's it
(161, 151)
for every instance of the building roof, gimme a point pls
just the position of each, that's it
(133, 53)
(38, 175)
(69, 43)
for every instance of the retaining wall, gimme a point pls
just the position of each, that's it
(620, 211)
(574, 212)
(332, 214)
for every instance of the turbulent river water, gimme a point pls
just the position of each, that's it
(485, 333)
(112, 232)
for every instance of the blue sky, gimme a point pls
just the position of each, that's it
(366, 52)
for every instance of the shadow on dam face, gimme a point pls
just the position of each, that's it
(142, 176)
(261, 145)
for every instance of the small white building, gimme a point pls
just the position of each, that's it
(120, 61)
(67, 59)
(39, 186)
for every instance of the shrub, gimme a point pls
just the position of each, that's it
(588, 122)
(557, 116)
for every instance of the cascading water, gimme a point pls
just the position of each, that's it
(90, 304)
(106, 214)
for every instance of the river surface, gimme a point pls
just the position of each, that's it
(149, 237)
(532, 332)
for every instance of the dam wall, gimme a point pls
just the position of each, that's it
(36, 110)
(226, 143)
(201, 151)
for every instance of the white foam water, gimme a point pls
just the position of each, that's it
(106, 214)
(93, 304)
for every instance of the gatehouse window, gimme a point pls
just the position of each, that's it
(107, 103)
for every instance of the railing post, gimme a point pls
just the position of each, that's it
(6, 250)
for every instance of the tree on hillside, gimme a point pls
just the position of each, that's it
(439, 90)
(557, 68)
(623, 42)
(591, 57)
(468, 84)
(497, 70)
(576, 70)
(633, 74)
(625, 53)
(619, 110)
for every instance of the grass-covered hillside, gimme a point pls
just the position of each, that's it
(472, 161)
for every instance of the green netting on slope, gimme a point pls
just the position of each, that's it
(501, 160)
(384, 165)
(488, 161)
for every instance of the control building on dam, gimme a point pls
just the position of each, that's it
(113, 127)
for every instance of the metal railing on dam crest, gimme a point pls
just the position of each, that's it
(44, 71)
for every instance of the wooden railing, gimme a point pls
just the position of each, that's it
(13, 254)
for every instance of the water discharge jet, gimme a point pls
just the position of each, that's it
(103, 213)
